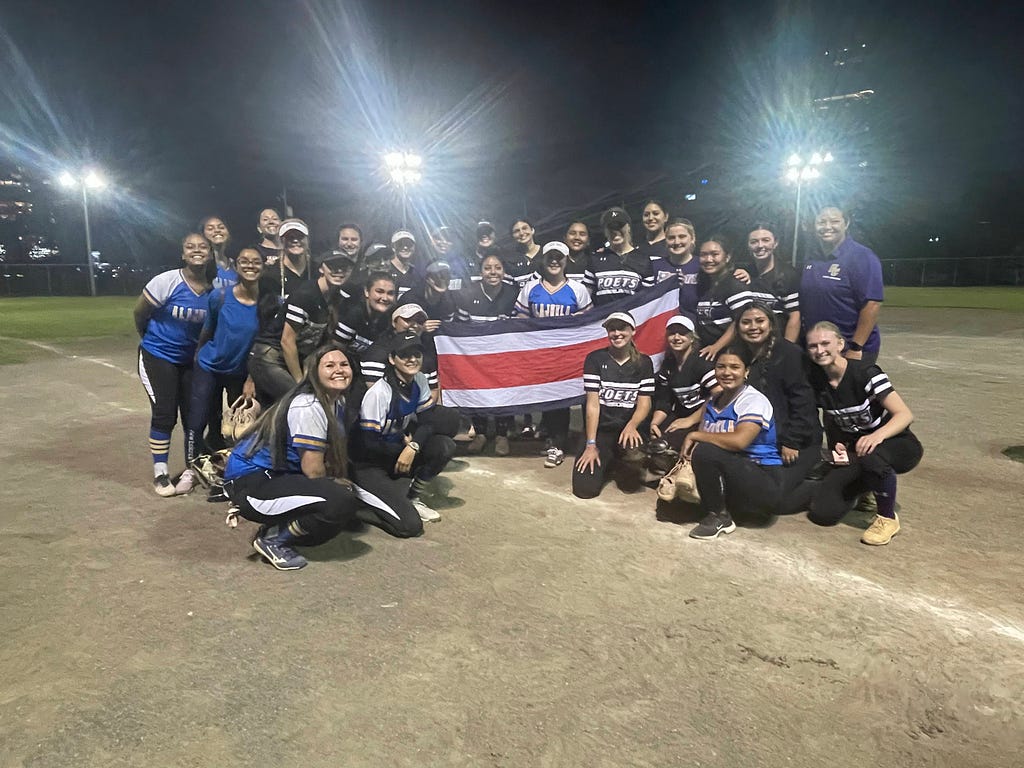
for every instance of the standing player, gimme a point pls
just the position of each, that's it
(680, 263)
(577, 237)
(169, 316)
(719, 296)
(553, 295)
(620, 269)
(773, 281)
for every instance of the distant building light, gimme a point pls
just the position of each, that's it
(704, 182)
(691, 197)
(862, 164)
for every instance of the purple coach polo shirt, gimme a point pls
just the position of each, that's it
(836, 288)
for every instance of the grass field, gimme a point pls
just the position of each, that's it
(61, 319)
(57, 319)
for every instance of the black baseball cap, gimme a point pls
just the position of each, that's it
(615, 218)
(404, 341)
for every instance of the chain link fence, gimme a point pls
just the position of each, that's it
(70, 280)
(952, 271)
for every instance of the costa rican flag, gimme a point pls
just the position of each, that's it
(515, 366)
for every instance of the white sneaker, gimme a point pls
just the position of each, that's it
(427, 515)
(554, 457)
(186, 482)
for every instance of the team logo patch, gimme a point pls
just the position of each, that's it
(833, 270)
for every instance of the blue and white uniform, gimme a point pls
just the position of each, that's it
(536, 299)
(748, 407)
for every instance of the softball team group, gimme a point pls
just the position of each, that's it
(338, 350)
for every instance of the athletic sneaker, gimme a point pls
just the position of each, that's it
(427, 515)
(278, 554)
(881, 531)
(712, 525)
(501, 446)
(476, 445)
(163, 486)
(186, 482)
(554, 457)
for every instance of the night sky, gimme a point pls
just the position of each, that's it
(528, 107)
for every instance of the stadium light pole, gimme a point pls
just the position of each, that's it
(799, 172)
(94, 180)
(404, 169)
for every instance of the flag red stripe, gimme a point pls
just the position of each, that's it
(538, 366)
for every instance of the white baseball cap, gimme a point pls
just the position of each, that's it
(623, 317)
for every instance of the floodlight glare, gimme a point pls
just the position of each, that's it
(66, 179)
(793, 174)
(794, 159)
(828, 157)
(394, 160)
(413, 160)
(93, 180)
(816, 159)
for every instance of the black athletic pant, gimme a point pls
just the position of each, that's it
(501, 425)
(269, 373)
(837, 493)
(556, 423)
(206, 399)
(588, 485)
(729, 481)
(320, 506)
(168, 386)
(387, 494)
(793, 475)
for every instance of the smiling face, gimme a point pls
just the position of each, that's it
(268, 222)
(195, 250)
(577, 237)
(761, 243)
(407, 362)
(679, 240)
(334, 372)
(618, 238)
(554, 267)
(441, 240)
(380, 296)
(485, 240)
(713, 258)
(404, 250)
(249, 265)
(654, 218)
(295, 243)
(679, 339)
(216, 231)
(336, 272)
(522, 233)
(830, 226)
(824, 347)
(754, 326)
(414, 323)
(492, 271)
(731, 372)
(619, 334)
(349, 241)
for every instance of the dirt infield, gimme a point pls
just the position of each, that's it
(527, 628)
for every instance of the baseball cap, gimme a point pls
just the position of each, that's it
(335, 258)
(373, 249)
(623, 317)
(404, 341)
(556, 246)
(289, 224)
(615, 218)
(437, 267)
(409, 311)
(484, 228)
(682, 320)
(402, 235)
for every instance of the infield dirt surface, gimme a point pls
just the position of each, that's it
(527, 628)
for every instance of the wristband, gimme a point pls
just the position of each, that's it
(591, 442)
(853, 346)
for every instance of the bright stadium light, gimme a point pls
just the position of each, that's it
(799, 172)
(94, 180)
(404, 170)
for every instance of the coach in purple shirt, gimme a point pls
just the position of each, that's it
(843, 285)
